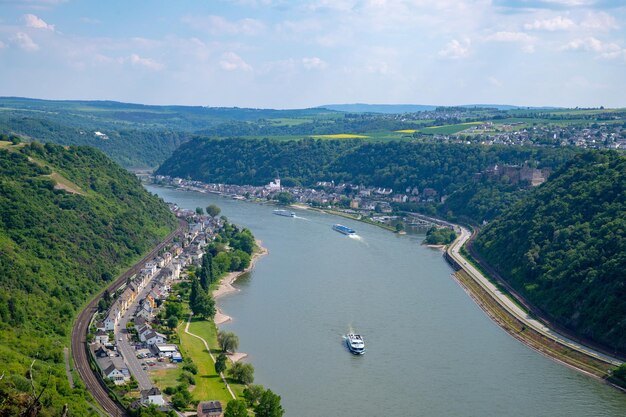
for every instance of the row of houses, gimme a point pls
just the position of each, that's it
(110, 362)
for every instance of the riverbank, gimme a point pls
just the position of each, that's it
(346, 215)
(515, 321)
(225, 287)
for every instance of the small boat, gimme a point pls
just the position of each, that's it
(284, 213)
(355, 343)
(343, 229)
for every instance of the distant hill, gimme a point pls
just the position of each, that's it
(563, 247)
(378, 108)
(410, 108)
(70, 221)
(134, 135)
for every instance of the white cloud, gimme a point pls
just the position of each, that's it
(590, 44)
(495, 82)
(606, 50)
(24, 41)
(456, 49)
(510, 37)
(572, 3)
(218, 25)
(33, 21)
(147, 63)
(554, 24)
(314, 63)
(527, 41)
(230, 61)
(599, 21)
(331, 5)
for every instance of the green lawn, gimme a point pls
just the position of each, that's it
(163, 378)
(208, 331)
(209, 385)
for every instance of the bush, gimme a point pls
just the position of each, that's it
(187, 378)
(242, 373)
(220, 363)
(189, 366)
(253, 393)
(236, 408)
(181, 400)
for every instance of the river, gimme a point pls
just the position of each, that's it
(431, 351)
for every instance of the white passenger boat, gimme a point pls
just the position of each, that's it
(284, 213)
(355, 343)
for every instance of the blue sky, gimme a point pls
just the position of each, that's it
(294, 54)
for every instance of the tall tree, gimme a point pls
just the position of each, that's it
(228, 341)
(242, 372)
(204, 306)
(220, 363)
(236, 408)
(195, 290)
(213, 210)
(269, 405)
(206, 271)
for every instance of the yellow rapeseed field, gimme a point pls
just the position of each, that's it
(406, 131)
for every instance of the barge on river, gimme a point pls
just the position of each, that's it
(343, 229)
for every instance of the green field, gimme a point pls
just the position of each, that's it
(448, 129)
(209, 385)
(208, 331)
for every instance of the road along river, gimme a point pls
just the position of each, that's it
(431, 351)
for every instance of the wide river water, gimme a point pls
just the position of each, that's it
(431, 351)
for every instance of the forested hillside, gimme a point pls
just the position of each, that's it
(397, 165)
(125, 144)
(563, 246)
(70, 220)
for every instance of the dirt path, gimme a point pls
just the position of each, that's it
(68, 371)
(206, 346)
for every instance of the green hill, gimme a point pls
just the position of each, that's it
(397, 165)
(70, 220)
(563, 247)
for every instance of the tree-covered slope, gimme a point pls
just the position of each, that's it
(563, 246)
(58, 247)
(397, 165)
(126, 144)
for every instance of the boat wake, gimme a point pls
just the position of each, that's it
(358, 238)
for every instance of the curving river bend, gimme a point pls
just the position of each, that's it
(430, 350)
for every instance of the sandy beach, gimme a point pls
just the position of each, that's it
(441, 248)
(226, 287)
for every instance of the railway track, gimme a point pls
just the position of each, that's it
(80, 347)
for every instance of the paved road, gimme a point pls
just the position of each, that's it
(126, 349)
(80, 346)
(515, 309)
